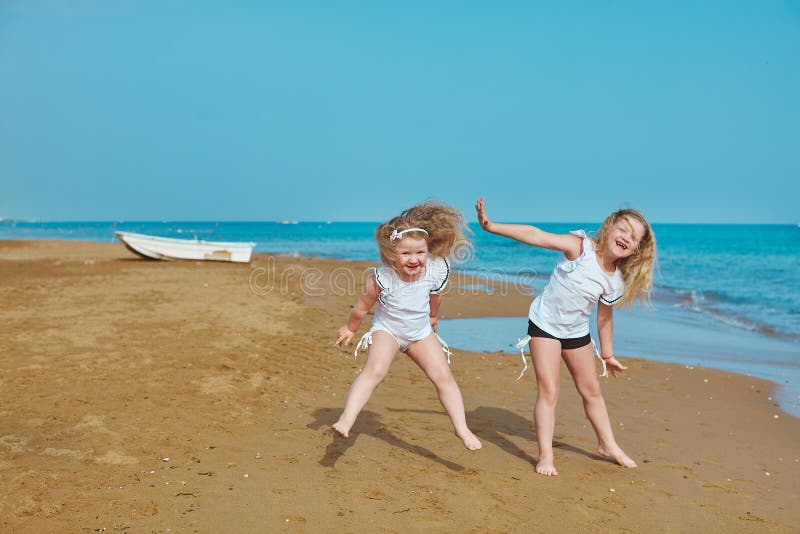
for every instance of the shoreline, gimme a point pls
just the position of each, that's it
(180, 395)
(694, 302)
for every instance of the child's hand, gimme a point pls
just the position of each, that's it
(483, 219)
(344, 337)
(435, 324)
(614, 365)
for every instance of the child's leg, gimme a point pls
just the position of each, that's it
(546, 356)
(581, 365)
(379, 358)
(427, 353)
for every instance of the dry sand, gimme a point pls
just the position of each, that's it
(145, 396)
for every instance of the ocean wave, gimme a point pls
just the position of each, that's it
(741, 313)
(687, 296)
(737, 320)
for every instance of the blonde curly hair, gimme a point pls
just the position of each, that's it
(445, 227)
(637, 269)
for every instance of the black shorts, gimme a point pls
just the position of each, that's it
(570, 343)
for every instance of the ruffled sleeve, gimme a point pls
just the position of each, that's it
(568, 265)
(439, 271)
(383, 278)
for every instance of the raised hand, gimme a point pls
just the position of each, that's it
(483, 219)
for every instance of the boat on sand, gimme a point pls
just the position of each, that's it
(167, 248)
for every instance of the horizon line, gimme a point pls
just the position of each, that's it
(290, 222)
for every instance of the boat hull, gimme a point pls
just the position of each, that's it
(165, 248)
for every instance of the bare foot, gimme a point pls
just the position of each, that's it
(545, 466)
(618, 455)
(341, 428)
(471, 441)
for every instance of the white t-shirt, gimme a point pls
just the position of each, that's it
(564, 307)
(404, 307)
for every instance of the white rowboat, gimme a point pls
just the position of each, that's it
(166, 248)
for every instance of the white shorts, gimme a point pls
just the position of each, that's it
(404, 340)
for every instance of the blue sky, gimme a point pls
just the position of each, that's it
(555, 111)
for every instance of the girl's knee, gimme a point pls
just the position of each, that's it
(375, 373)
(441, 377)
(591, 392)
(548, 394)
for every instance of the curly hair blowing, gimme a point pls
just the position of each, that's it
(637, 270)
(445, 226)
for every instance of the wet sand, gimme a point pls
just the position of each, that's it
(145, 396)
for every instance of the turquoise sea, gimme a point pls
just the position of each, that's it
(726, 296)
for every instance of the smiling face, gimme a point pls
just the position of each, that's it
(624, 237)
(412, 255)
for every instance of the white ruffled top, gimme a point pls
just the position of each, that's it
(566, 303)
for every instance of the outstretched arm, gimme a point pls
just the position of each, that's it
(570, 245)
(367, 299)
(605, 330)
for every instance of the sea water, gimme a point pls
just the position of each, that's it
(725, 296)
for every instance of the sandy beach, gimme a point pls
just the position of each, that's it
(146, 396)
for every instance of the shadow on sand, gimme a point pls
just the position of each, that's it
(491, 424)
(368, 423)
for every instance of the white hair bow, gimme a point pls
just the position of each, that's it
(397, 235)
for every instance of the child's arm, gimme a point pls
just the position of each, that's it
(436, 301)
(605, 330)
(367, 299)
(570, 245)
